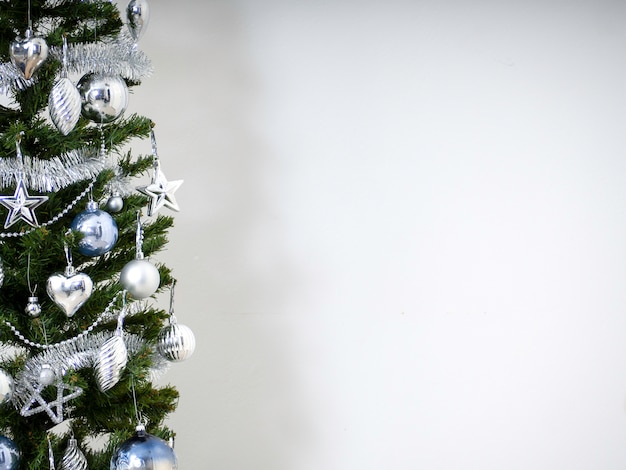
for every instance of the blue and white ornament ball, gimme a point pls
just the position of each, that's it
(98, 228)
(144, 451)
(9, 454)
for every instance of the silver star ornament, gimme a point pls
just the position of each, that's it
(161, 191)
(22, 206)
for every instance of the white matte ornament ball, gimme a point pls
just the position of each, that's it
(6, 386)
(140, 278)
(9, 454)
(104, 98)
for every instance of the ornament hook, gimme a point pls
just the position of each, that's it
(172, 316)
(139, 238)
(50, 454)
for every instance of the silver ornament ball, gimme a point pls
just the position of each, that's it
(104, 98)
(6, 386)
(9, 454)
(176, 342)
(144, 451)
(140, 278)
(98, 228)
(33, 309)
(47, 376)
(115, 203)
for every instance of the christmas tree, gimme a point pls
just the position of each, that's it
(82, 340)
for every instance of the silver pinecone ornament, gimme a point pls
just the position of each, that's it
(73, 458)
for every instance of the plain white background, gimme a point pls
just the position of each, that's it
(401, 242)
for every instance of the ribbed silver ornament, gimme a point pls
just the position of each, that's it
(176, 342)
(73, 458)
(64, 105)
(112, 359)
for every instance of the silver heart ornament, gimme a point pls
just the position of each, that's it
(28, 54)
(69, 291)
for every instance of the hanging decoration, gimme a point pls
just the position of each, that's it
(175, 342)
(104, 98)
(9, 454)
(73, 458)
(160, 190)
(71, 289)
(64, 103)
(112, 357)
(138, 16)
(144, 452)
(21, 205)
(99, 230)
(140, 277)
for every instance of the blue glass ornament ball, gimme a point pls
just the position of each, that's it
(144, 451)
(9, 454)
(98, 228)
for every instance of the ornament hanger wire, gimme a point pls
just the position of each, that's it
(30, 289)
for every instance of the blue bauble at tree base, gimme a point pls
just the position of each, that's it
(144, 451)
(9, 454)
(98, 228)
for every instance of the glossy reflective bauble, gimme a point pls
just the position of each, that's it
(104, 97)
(28, 54)
(138, 16)
(98, 228)
(9, 454)
(144, 451)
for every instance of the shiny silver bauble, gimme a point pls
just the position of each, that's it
(33, 309)
(138, 16)
(69, 290)
(140, 278)
(6, 386)
(176, 342)
(144, 451)
(9, 454)
(104, 98)
(73, 458)
(28, 54)
(98, 228)
(115, 203)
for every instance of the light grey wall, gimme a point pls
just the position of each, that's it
(402, 239)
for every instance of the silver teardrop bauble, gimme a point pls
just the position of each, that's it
(138, 15)
(140, 278)
(73, 458)
(176, 342)
(64, 105)
(28, 54)
(103, 97)
(112, 359)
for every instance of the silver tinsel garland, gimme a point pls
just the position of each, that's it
(120, 57)
(53, 174)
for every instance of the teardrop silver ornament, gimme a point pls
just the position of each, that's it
(64, 105)
(73, 458)
(112, 358)
(138, 16)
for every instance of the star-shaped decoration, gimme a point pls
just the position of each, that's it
(36, 403)
(161, 192)
(22, 206)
